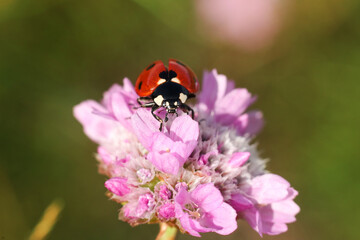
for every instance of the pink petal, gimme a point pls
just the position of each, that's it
(203, 227)
(165, 162)
(187, 225)
(292, 193)
(238, 159)
(240, 203)
(121, 109)
(252, 216)
(115, 88)
(214, 87)
(184, 149)
(162, 143)
(203, 159)
(104, 155)
(128, 86)
(182, 197)
(281, 212)
(144, 126)
(232, 105)
(250, 123)
(209, 93)
(225, 218)
(96, 127)
(184, 129)
(207, 197)
(269, 188)
(273, 228)
(230, 85)
(118, 186)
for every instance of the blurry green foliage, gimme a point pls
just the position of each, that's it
(54, 54)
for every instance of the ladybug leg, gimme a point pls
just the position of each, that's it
(187, 109)
(166, 116)
(141, 99)
(153, 109)
(144, 105)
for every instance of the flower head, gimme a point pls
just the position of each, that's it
(197, 174)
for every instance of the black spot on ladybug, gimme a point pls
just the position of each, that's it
(181, 63)
(150, 67)
(167, 75)
(172, 74)
(140, 85)
(163, 75)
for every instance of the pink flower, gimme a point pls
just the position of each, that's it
(197, 174)
(166, 211)
(163, 192)
(117, 186)
(251, 25)
(140, 207)
(267, 204)
(168, 150)
(203, 210)
(228, 104)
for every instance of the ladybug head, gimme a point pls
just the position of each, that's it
(171, 105)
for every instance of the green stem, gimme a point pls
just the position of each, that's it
(166, 232)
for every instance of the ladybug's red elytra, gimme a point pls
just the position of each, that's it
(167, 87)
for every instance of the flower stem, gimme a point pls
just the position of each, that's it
(166, 232)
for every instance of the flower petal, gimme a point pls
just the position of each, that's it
(128, 86)
(238, 159)
(184, 129)
(273, 228)
(252, 216)
(269, 188)
(165, 162)
(118, 186)
(215, 87)
(162, 143)
(121, 109)
(280, 212)
(207, 197)
(104, 155)
(228, 108)
(97, 128)
(225, 218)
(249, 123)
(144, 126)
(115, 88)
(183, 196)
(240, 203)
(188, 226)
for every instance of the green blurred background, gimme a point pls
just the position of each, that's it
(55, 54)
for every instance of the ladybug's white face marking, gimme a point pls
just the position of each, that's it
(175, 103)
(182, 97)
(158, 100)
(161, 81)
(176, 80)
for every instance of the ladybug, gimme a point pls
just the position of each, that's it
(167, 87)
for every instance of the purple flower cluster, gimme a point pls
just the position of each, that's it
(199, 175)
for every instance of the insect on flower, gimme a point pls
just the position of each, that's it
(168, 87)
(198, 175)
